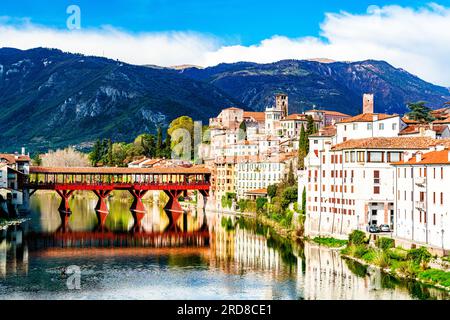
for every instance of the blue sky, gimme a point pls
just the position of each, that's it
(238, 21)
(410, 34)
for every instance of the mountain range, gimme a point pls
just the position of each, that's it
(51, 99)
(328, 85)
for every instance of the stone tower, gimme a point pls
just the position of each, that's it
(368, 103)
(281, 103)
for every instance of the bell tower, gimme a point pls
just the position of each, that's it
(282, 104)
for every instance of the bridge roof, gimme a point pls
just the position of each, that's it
(117, 170)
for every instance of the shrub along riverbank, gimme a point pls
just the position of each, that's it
(410, 264)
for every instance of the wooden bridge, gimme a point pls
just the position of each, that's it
(173, 181)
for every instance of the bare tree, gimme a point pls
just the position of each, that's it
(68, 157)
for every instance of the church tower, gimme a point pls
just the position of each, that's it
(282, 104)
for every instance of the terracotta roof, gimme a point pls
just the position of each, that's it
(258, 116)
(445, 121)
(295, 116)
(257, 191)
(409, 121)
(415, 128)
(273, 158)
(433, 157)
(398, 143)
(328, 131)
(113, 170)
(330, 113)
(232, 108)
(11, 158)
(368, 117)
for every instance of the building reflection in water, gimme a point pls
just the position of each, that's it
(13, 253)
(241, 250)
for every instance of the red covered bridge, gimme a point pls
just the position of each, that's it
(138, 181)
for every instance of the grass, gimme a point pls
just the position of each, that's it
(411, 263)
(436, 276)
(330, 242)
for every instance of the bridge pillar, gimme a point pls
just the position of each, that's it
(101, 209)
(137, 208)
(173, 209)
(64, 208)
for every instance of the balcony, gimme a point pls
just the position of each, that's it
(419, 205)
(420, 181)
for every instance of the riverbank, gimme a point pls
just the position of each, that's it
(410, 264)
(288, 233)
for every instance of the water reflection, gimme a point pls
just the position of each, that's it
(208, 257)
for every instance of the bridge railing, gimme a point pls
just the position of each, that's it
(37, 184)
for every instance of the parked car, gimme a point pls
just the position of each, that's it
(373, 229)
(385, 228)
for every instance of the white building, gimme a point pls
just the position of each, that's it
(369, 125)
(351, 184)
(275, 114)
(12, 169)
(423, 198)
(252, 173)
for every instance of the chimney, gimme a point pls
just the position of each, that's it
(421, 131)
(368, 103)
(23, 151)
(375, 117)
(407, 156)
(418, 156)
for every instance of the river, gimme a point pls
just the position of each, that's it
(209, 256)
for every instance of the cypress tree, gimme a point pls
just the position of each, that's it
(159, 142)
(110, 153)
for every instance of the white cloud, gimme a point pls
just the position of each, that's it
(417, 40)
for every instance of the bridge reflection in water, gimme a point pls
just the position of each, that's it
(102, 181)
(223, 256)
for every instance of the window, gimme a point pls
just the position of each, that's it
(355, 126)
(422, 196)
(369, 126)
(394, 126)
(361, 156)
(394, 156)
(442, 198)
(376, 176)
(375, 156)
(381, 126)
(376, 190)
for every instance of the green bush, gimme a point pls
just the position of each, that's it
(398, 254)
(408, 269)
(260, 203)
(419, 256)
(382, 259)
(385, 243)
(357, 237)
(436, 276)
(357, 251)
(330, 242)
(289, 195)
(369, 256)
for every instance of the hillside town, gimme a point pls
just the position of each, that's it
(369, 172)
